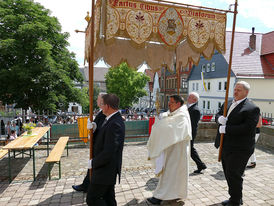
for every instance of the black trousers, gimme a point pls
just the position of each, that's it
(234, 164)
(195, 156)
(101, 195)
(86, 180)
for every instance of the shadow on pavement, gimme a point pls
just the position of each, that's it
(42, 177)
(132, 202)
(3, 187)
(151, 184)
(17, 165)
(57, 200)
(219, 175)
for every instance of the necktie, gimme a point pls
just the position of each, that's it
(105, 121)
(233, 105)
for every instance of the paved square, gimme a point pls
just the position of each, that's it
(137, 182)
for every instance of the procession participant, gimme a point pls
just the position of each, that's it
(96, 126)
(168, 146)
(194, 113)
(238, 128)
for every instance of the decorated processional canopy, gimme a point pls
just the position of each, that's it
(156, 32)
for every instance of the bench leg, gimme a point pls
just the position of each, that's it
(67, 148)
(59, 169)
(9, 168)
(33, 156)
(50, 166)
(47, 143)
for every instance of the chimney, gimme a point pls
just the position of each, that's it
(252, 40)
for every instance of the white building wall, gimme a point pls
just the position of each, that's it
(213, 97)
(261, 92)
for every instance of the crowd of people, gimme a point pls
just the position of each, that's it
(170, 146)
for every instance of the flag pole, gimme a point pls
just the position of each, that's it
(91, 60)
(228, 76)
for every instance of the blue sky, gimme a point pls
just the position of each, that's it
(71, 14)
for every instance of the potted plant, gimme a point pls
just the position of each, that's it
(28, 127)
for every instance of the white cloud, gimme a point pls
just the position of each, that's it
(262, 10)
(71, 15)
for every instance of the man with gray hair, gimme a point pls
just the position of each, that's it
(238, 128)
(194, 114)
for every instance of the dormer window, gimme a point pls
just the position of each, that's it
(208, 67)
(203, 68)
(213, 66)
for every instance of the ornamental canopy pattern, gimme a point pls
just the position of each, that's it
(158, 33)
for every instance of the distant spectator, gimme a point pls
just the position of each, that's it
(8, 130)
(59, 120)
(40, 124)
(3, 127)
(20, 126)
(13, 135)
(15, 127)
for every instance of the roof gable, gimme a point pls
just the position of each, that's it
(221, 68)
(268, 43)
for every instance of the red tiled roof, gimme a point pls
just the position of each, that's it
(150, 73)
(245, 62)
(268, 65)
(268, 43)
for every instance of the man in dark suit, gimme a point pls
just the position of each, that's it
(106, 161)
(194, 114)
(96, 125)
(239, 139)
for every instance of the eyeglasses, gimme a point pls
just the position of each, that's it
(172, 102)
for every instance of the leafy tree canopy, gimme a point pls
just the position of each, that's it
(36, 68)
(126, 83)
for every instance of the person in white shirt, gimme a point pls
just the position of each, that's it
(13, 135)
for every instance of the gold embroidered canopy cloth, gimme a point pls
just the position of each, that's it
(158, 33)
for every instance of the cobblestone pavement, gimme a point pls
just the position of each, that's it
(138, 180)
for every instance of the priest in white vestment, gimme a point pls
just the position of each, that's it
(169, 148)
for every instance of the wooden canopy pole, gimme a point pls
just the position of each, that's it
(228, 76)
(90, 66)
(179, 78)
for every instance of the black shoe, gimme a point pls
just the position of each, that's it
(154, 201)
(252, 165)
(79, 188)
(228, 203)
(198, 171)
(232, 204)
(225, 202)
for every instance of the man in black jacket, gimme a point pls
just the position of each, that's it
(194, 114)
(96, 125)
(239, 139)
(106, 161)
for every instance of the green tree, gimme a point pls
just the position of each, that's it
(126, 83)
(85, 98)
(96, 91)
(36, 68)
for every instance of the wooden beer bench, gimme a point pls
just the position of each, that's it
(25, 143)
(3, 152)
(56, 154)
